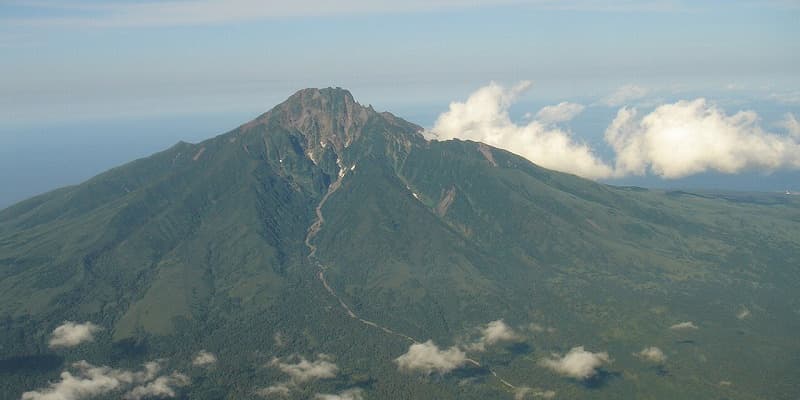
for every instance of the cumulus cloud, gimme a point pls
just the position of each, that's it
(493, 333)
(684, 326)
(204, 358)
(302, 370)
(653, 354)
(560, 112)
(689, 137)
(577, 363)
(428, 358)
(791, 125)
(524, 392)
(673, 141)
(91, 381)
(484, 117)
(624, 94)
(349, 394)
(163, 386)
(70, 334)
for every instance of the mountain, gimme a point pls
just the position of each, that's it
(319, 247)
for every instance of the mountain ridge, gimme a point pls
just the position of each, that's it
(206, 246)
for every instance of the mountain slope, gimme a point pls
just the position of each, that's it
(206, 246)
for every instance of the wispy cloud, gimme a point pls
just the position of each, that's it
(349, 394)
(577, 363)
(561, 112)
(625, 94)
(791, 125)
(684, 326)
(524, 392)
(70, 334)
(204, 12)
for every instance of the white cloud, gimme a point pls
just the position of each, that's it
(791, 125)
(202, 12)
(300, 371)
(560, 112)
(303, 370)
(484, 117)
(349, 394)
(689, 137)
(743, 314)
(653, 354)
(277, 390)
(577, 363)
(524, 392)
(684, 325)
(70, 334)
(204, 358)
(625, 94)
(493, 333)
(91, 381)
(428, 358)
(163, 386)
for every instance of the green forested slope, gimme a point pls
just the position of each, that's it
(202, 247)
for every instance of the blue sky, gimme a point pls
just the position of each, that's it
(67, 62)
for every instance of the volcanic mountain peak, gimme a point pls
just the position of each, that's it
(321, 116)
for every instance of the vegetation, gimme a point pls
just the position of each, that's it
(202, 247)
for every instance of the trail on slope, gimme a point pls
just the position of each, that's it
(313, 230)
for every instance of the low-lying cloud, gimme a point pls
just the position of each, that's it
(577, 363)
(524, 392)
(653, 354)
(349, 394)
(690, 137)
(429, 358)
(70, 334)
(276, 390)
(89, 381)
(204, 358)
(494, 332)
(684, 326)
(301, 370)
(161, 387)
(674, 140)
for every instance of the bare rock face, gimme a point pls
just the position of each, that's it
(323, 117)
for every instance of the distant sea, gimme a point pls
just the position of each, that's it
(36, 158)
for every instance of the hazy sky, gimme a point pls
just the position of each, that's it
(84, 59)
(71, 61)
